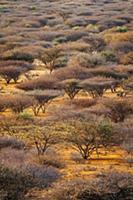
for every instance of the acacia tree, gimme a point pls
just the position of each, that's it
(51, 81)
(70, 86)
(10, 70)
(109, 73)
(17, 103)
(41, 83)
(90, 136)
(9, 73)
(118, 109)
(44, 138)
(84, 138)
(97, 86)
(40, 99)
(49, 58)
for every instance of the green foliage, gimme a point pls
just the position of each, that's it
(18, 55)
(60, 40)
(109, 55)
(25, 116)
(107, 133)
(122, 29)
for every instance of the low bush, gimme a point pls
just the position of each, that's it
(14, 184)
(76, 35)
(127, 59)
(43, 176)
(110, 73)
(54, 161)
(17, 55)
(25, 66)
(3, 103)
(84, 103)
(112, 38)
(110, 185)
(11, 142)
(109, 56)
(50, 81)
(123, 47)
(43, 82)
(96, 42)
(25, 116)
(89, 60)
(122, 29)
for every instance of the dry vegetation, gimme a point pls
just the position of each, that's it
(66, 108)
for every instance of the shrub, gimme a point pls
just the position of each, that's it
(97, 86)
(123, 47)
(128, 84)
(60, 40)
(49, 58)
(116, 183)
(112, 38)
(43, 82)
(89, 60)
(40, 99)
(70, 86)
(76, 22)
(25, 116)
(122, 29)
(109, 56)
(11, 142)
(97, 43)
(14, 184)
(93, 28)
(52, 160)
(61, 62)
(43, 176)
(118, 109)
(9, 73)
(109, 73)
(84, 103)
(109, 136)
(17, 103)
(13, 69)
(127, 143)
(3, 103)
(13, 158)
(77, 157)
(76, 35)
(16, 63)
(67, 190)
(50, 81)
(110, 23)
(74, 72)
(18, 55)
(127, 59)
(83, 136)
(110, 185)
(43, 139)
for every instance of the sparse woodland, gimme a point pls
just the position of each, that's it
(66, 100)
